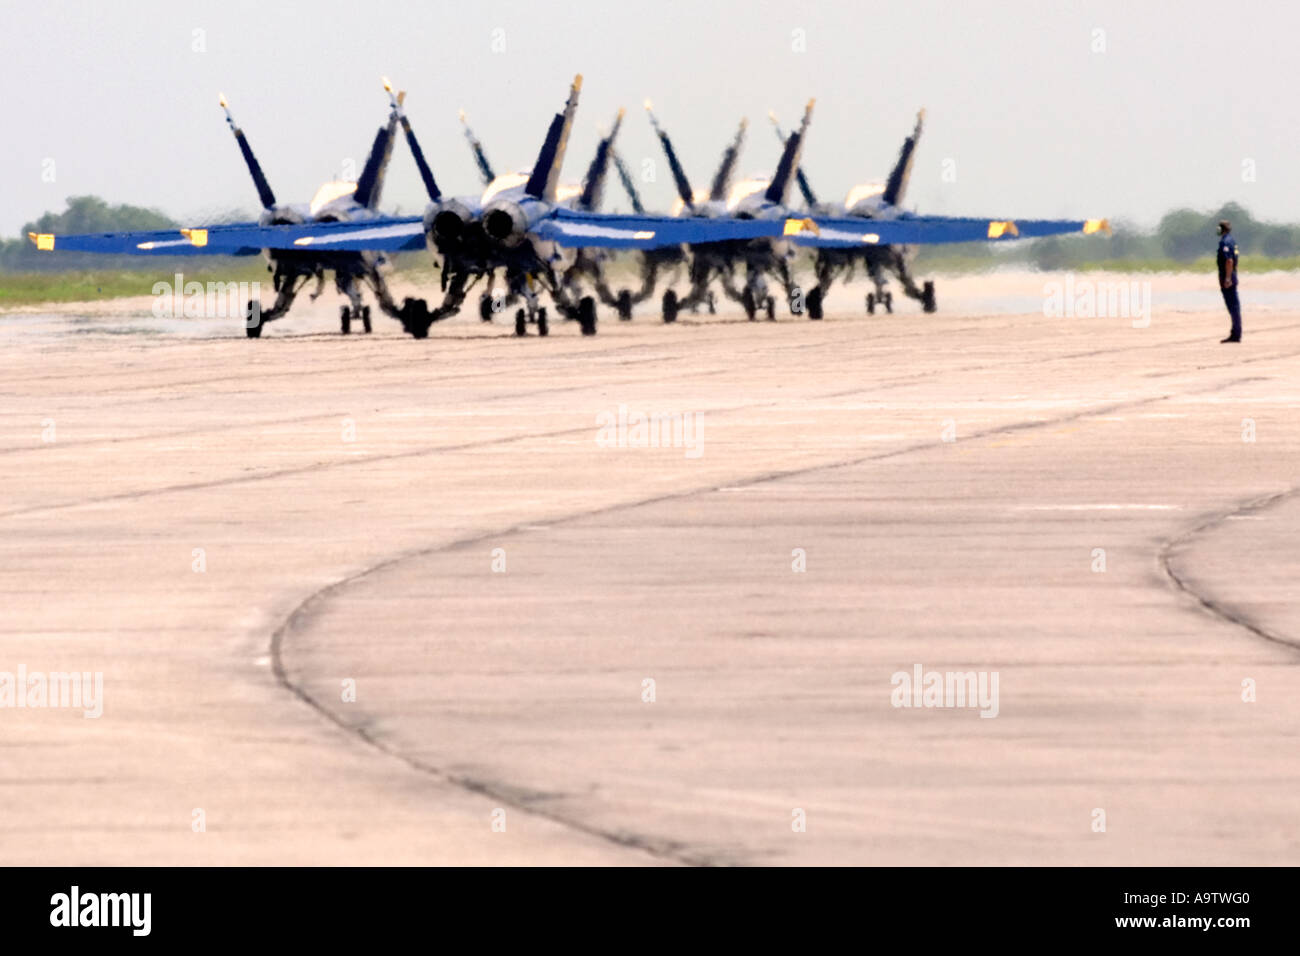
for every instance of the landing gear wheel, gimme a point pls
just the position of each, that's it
(771, 308)
(927, 296)
(871, 303)
(670, 306)
(713, 303)
(888, 298)
(747, 300)
(521, 322)
(253, 320)
(814, 304)
(485, 310)
(415, 318)
(587, 315)
(345, 319)
(365, 318)
(543, 325)
(625, 305)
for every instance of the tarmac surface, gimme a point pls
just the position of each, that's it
(367, 600)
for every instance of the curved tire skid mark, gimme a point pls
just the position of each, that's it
(299, 620)
(1167, 558)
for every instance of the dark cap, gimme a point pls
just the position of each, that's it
(1224, 226)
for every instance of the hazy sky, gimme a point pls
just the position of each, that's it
(1119, 109)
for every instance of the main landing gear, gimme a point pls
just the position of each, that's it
(348, 314)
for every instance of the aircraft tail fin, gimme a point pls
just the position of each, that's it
(778, 191)
(628, 185)
(480, 156)
(593, 185)
(896, 185)
(545, 178)
(264, 193)
(426, 174)
(371, 182)
(805, 188)
(679, 174)
(726, 168)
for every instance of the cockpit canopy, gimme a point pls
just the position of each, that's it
(746, 188)
(864, 191)
(330, 192)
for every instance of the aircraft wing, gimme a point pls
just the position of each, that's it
(167, 242)
(578, 230)
(243, 239)
(852, 231)
(382, 234)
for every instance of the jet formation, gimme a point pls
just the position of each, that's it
(527, 235)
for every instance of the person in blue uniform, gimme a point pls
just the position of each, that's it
(1227, 258)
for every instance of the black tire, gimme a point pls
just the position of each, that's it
(625, 305)
(415, 318)
(813, 304)
(771, 308)
(670, 306)
(747, 300)
(871, 303)
(485, 311)
(345, 319)
(587, 315)
(521, 322)
(253, 320)
(927, 296)
(889, 302)
(543, 324)
(713, 304)
(365, 318)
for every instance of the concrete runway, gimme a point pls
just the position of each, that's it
(948, 480)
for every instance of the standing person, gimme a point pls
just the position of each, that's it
(1227, 257)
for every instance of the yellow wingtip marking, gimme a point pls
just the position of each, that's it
(221, 98)
(388, 86)
(44, 241)
(1004, 228)
(197, 237)
(577, 82)
(1096, 225)
(795, 226)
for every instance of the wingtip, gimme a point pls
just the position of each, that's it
(388, 86)
(462, 116)
(1096, 225)
(577, 82)
(771, 114)
(647, 104)
(221, 99)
